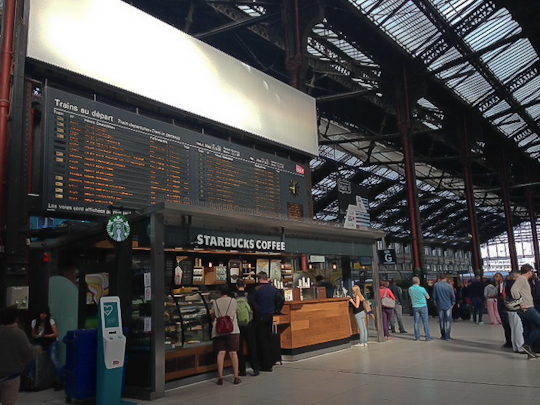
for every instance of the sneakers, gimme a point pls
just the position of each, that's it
(527, 349)
(403, 331)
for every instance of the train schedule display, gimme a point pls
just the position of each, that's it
(98, 156)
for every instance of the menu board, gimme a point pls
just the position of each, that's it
(99, 157)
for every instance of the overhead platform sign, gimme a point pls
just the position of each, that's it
(121, 46)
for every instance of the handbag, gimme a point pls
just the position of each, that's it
(224, 324)
(513, 305)
(386, 301)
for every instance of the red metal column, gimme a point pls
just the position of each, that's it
(466, 155)
(404, 124)
(5, 85)
(508, 215)
(532, 215)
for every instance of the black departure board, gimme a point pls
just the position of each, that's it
(97, 156)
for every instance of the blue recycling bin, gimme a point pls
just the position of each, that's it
(80, 369)
(81, 364)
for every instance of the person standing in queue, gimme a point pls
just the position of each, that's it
(359, 315)
(503, 313)
(246, 303)
(444, 299)
(387, 311)
(15, 353)
(265, 299)
(398, 310)
(226, 342)
(419, 297)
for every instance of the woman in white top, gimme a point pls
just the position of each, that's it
(226, 342)
(45, 334)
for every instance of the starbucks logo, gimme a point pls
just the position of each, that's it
(118, 228)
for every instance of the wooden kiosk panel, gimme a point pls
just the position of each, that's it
(314, 322)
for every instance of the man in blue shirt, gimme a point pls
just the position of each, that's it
(419, 297)
(444, 299)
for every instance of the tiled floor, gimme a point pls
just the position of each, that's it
(472, 369)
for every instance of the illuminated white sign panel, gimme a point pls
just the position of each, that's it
(117, 44)
(239, 243)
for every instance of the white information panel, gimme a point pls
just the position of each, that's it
(119, 45)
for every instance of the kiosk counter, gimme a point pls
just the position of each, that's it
(314, 324)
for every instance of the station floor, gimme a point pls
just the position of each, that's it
(472, 369)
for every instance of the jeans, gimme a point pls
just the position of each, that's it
(361, 321)
(52, 351)
(445, 322)
(421, 312)
(478, 308)
(532, 317)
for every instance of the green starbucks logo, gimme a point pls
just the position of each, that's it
(118, 228)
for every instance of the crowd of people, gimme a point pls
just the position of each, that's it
(512, 302)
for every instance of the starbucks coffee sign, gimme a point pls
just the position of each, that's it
(118, 228)
(239, 243)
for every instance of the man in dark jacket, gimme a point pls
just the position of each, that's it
(477, 298)
(398, 310)
(265, 299)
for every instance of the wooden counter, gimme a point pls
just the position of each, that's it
(314, 322)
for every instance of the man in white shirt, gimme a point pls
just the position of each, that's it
(529, 315)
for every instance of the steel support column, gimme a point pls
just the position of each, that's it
(404, 124)
(299, 17)
(5, 86)
(465, 152)
(157, 347)
(534, 231)
(508, 215)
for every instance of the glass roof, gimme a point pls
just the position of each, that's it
(477, 27)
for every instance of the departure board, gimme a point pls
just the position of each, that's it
(97, 156)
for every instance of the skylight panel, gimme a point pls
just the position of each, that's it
(455, 11)
(534, 112)
(409, 27)
(499, 26)
(527, 140)
(450, 55)
(253, 11)
(529, 91)
(472, 89)
(497, 108)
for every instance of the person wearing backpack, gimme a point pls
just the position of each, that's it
(246, 303)
(225, 332)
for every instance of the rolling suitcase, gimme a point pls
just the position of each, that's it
(42, 374)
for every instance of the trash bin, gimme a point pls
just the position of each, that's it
(80, 369)
(81, 364)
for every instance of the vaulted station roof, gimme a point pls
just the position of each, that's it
(471, 68)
